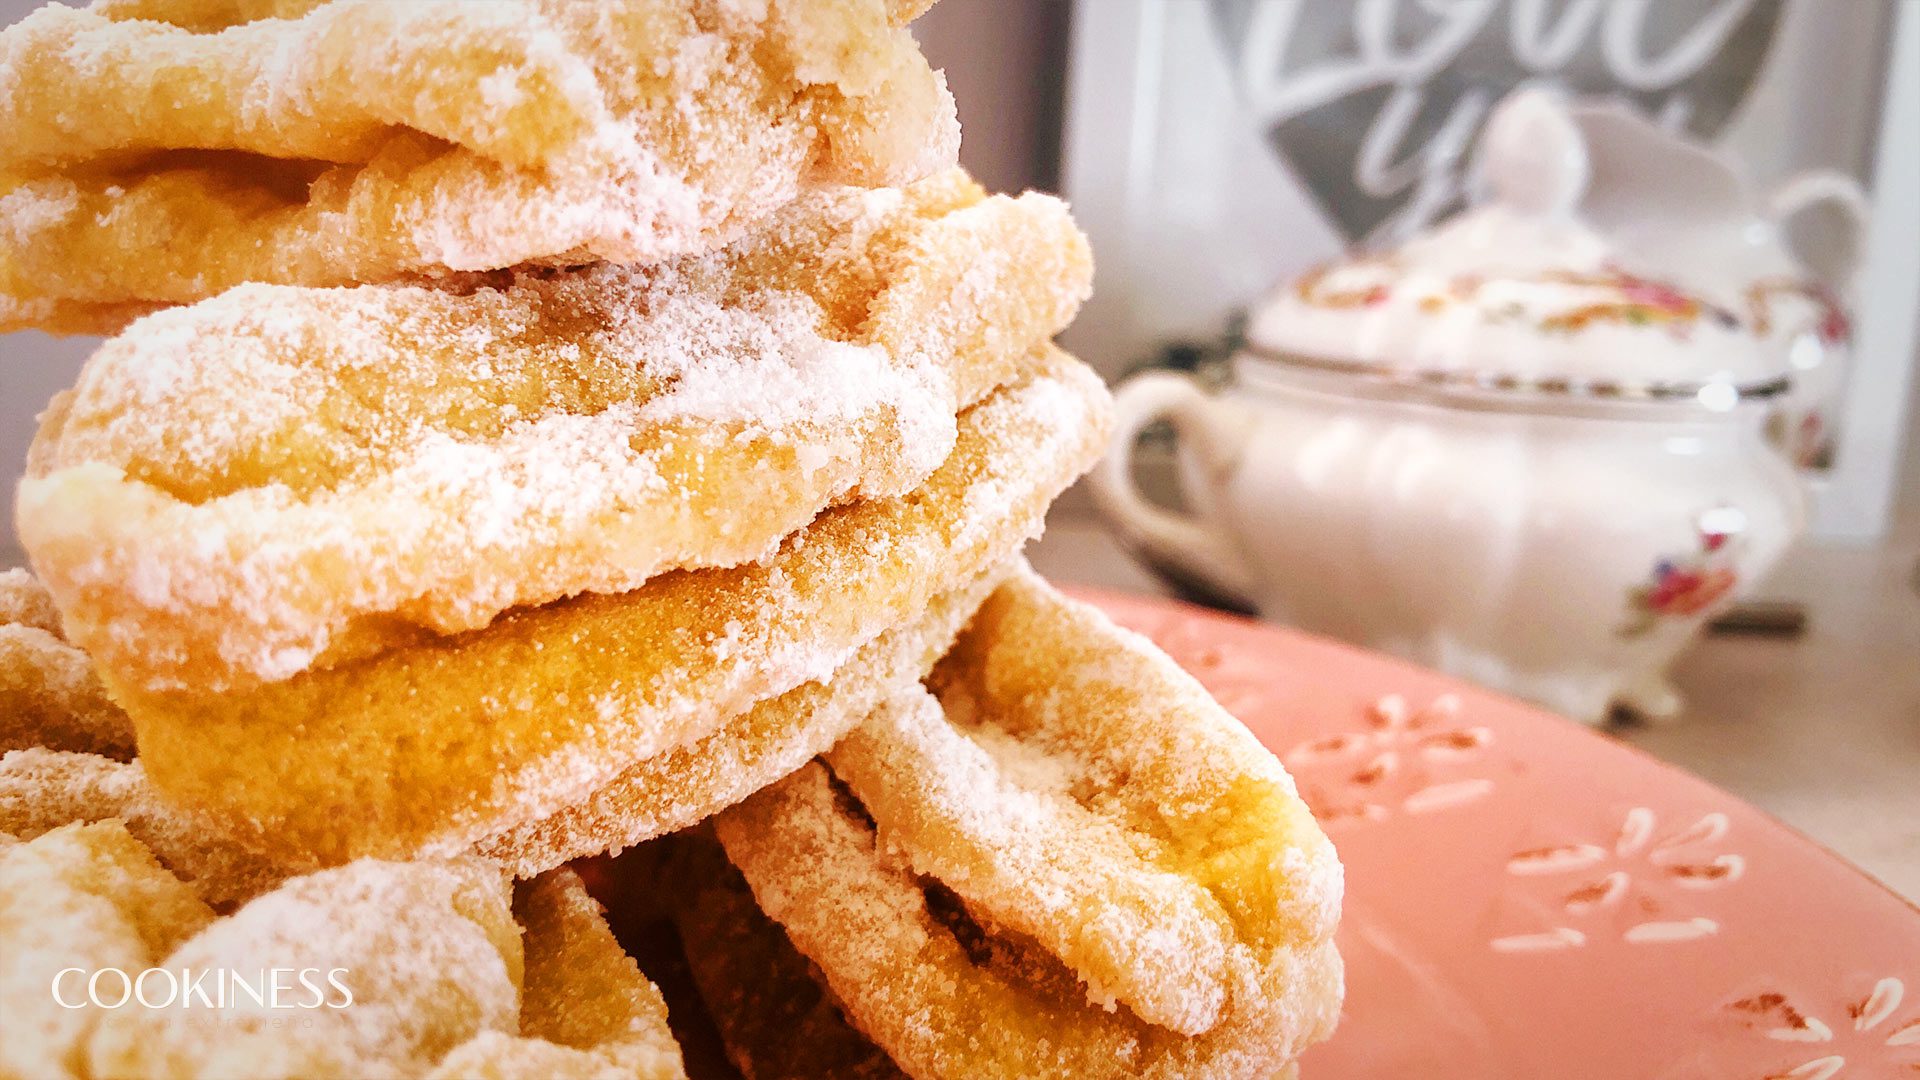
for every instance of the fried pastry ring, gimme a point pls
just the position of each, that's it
(26, 602)
(428, 950)
(87, 896)
(1061, 746)
(586, 1009)
(161, 151)
(49, 695)
(773, 1017)
(443, 983)
(428, 748)
(691, 782)
(285, 478)
(42, 789)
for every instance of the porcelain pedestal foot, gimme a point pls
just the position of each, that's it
(1652, 699)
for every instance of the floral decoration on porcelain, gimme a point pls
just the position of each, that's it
(1610, 295)
(1637, 301)
(1829, 322)
(1684, 586)
(1314, 289)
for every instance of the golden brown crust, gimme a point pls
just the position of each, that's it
(43, 789)
(87, 896)
(283, 478)
(26, 602)
(586, 1011)
(446, 982)
(1063, 736)
(775, 1019)
(429, 748)
(689, 783)
(332, 142)
(49, 695)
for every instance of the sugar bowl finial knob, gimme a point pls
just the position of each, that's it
(1532, 156)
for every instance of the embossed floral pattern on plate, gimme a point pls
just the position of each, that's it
(1587, 914)
(1632, 888)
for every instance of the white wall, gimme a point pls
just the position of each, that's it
(33, 367)
(1004, 61)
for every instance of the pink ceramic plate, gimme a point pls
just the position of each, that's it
(1526, 898)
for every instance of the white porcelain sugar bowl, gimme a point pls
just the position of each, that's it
(1509, 449)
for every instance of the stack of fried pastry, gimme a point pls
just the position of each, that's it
(545, 430)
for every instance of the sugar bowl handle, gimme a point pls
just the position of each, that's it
(1216, 430)
(1816, 187)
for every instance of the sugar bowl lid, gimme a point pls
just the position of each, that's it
(1525, 292)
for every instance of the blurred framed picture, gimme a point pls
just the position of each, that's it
(1214, 147)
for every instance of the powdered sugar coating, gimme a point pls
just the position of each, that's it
(1143, 748)
(26, 602)
(442, 983)
(1031, 858)
(49, 695)
(281, 477)
(429, 747)
(86, 896)
(587, 1011)
(774, 1018)
(42, 789)
(684, 785)
(364, 141)
(430, 953)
